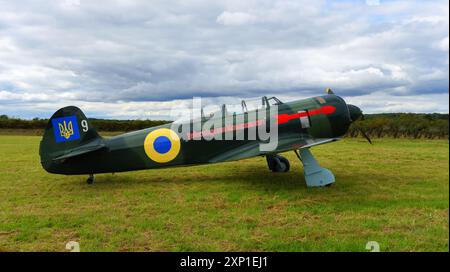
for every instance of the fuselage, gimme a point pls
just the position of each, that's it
(299, 123)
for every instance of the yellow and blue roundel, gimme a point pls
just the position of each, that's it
(162, 145)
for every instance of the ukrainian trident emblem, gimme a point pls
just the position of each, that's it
(66, 129)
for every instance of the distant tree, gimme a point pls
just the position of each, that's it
(403, 125)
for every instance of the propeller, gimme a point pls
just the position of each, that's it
(357, 114)
(365, 135)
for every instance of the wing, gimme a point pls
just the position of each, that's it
(287, 142)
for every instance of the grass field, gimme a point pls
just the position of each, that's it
(395, 192)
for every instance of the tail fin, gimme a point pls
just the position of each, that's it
(68, 133)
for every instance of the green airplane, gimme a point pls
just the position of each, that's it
(72, 146)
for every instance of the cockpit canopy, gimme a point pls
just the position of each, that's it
(244, 106)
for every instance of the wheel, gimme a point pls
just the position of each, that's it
(90, 180)
(277, 163)
(282, 164)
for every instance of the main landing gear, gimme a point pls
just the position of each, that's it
(315, 175)
(277, 163)
(90, 179)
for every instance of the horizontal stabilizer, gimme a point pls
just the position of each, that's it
(84, 149)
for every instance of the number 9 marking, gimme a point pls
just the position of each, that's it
(84, 125)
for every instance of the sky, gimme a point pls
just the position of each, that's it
(128, 59)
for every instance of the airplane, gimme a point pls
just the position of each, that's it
(71, 145)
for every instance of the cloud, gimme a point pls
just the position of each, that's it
(125, 53)
(442, 44)
(235, 18)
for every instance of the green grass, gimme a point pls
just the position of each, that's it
(395, 192)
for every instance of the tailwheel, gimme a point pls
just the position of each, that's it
(90, 179)
(277, 163)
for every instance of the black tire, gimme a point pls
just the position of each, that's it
(90, 180)
(282, 164)
(278, 164)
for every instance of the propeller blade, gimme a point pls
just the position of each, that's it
(365, 135)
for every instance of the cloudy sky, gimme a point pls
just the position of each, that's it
(137, 59)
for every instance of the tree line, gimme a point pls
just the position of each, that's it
(402, 125)
(100, 124)
(393, 125)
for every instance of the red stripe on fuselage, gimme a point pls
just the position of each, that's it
(284, 118)
(281, 118)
